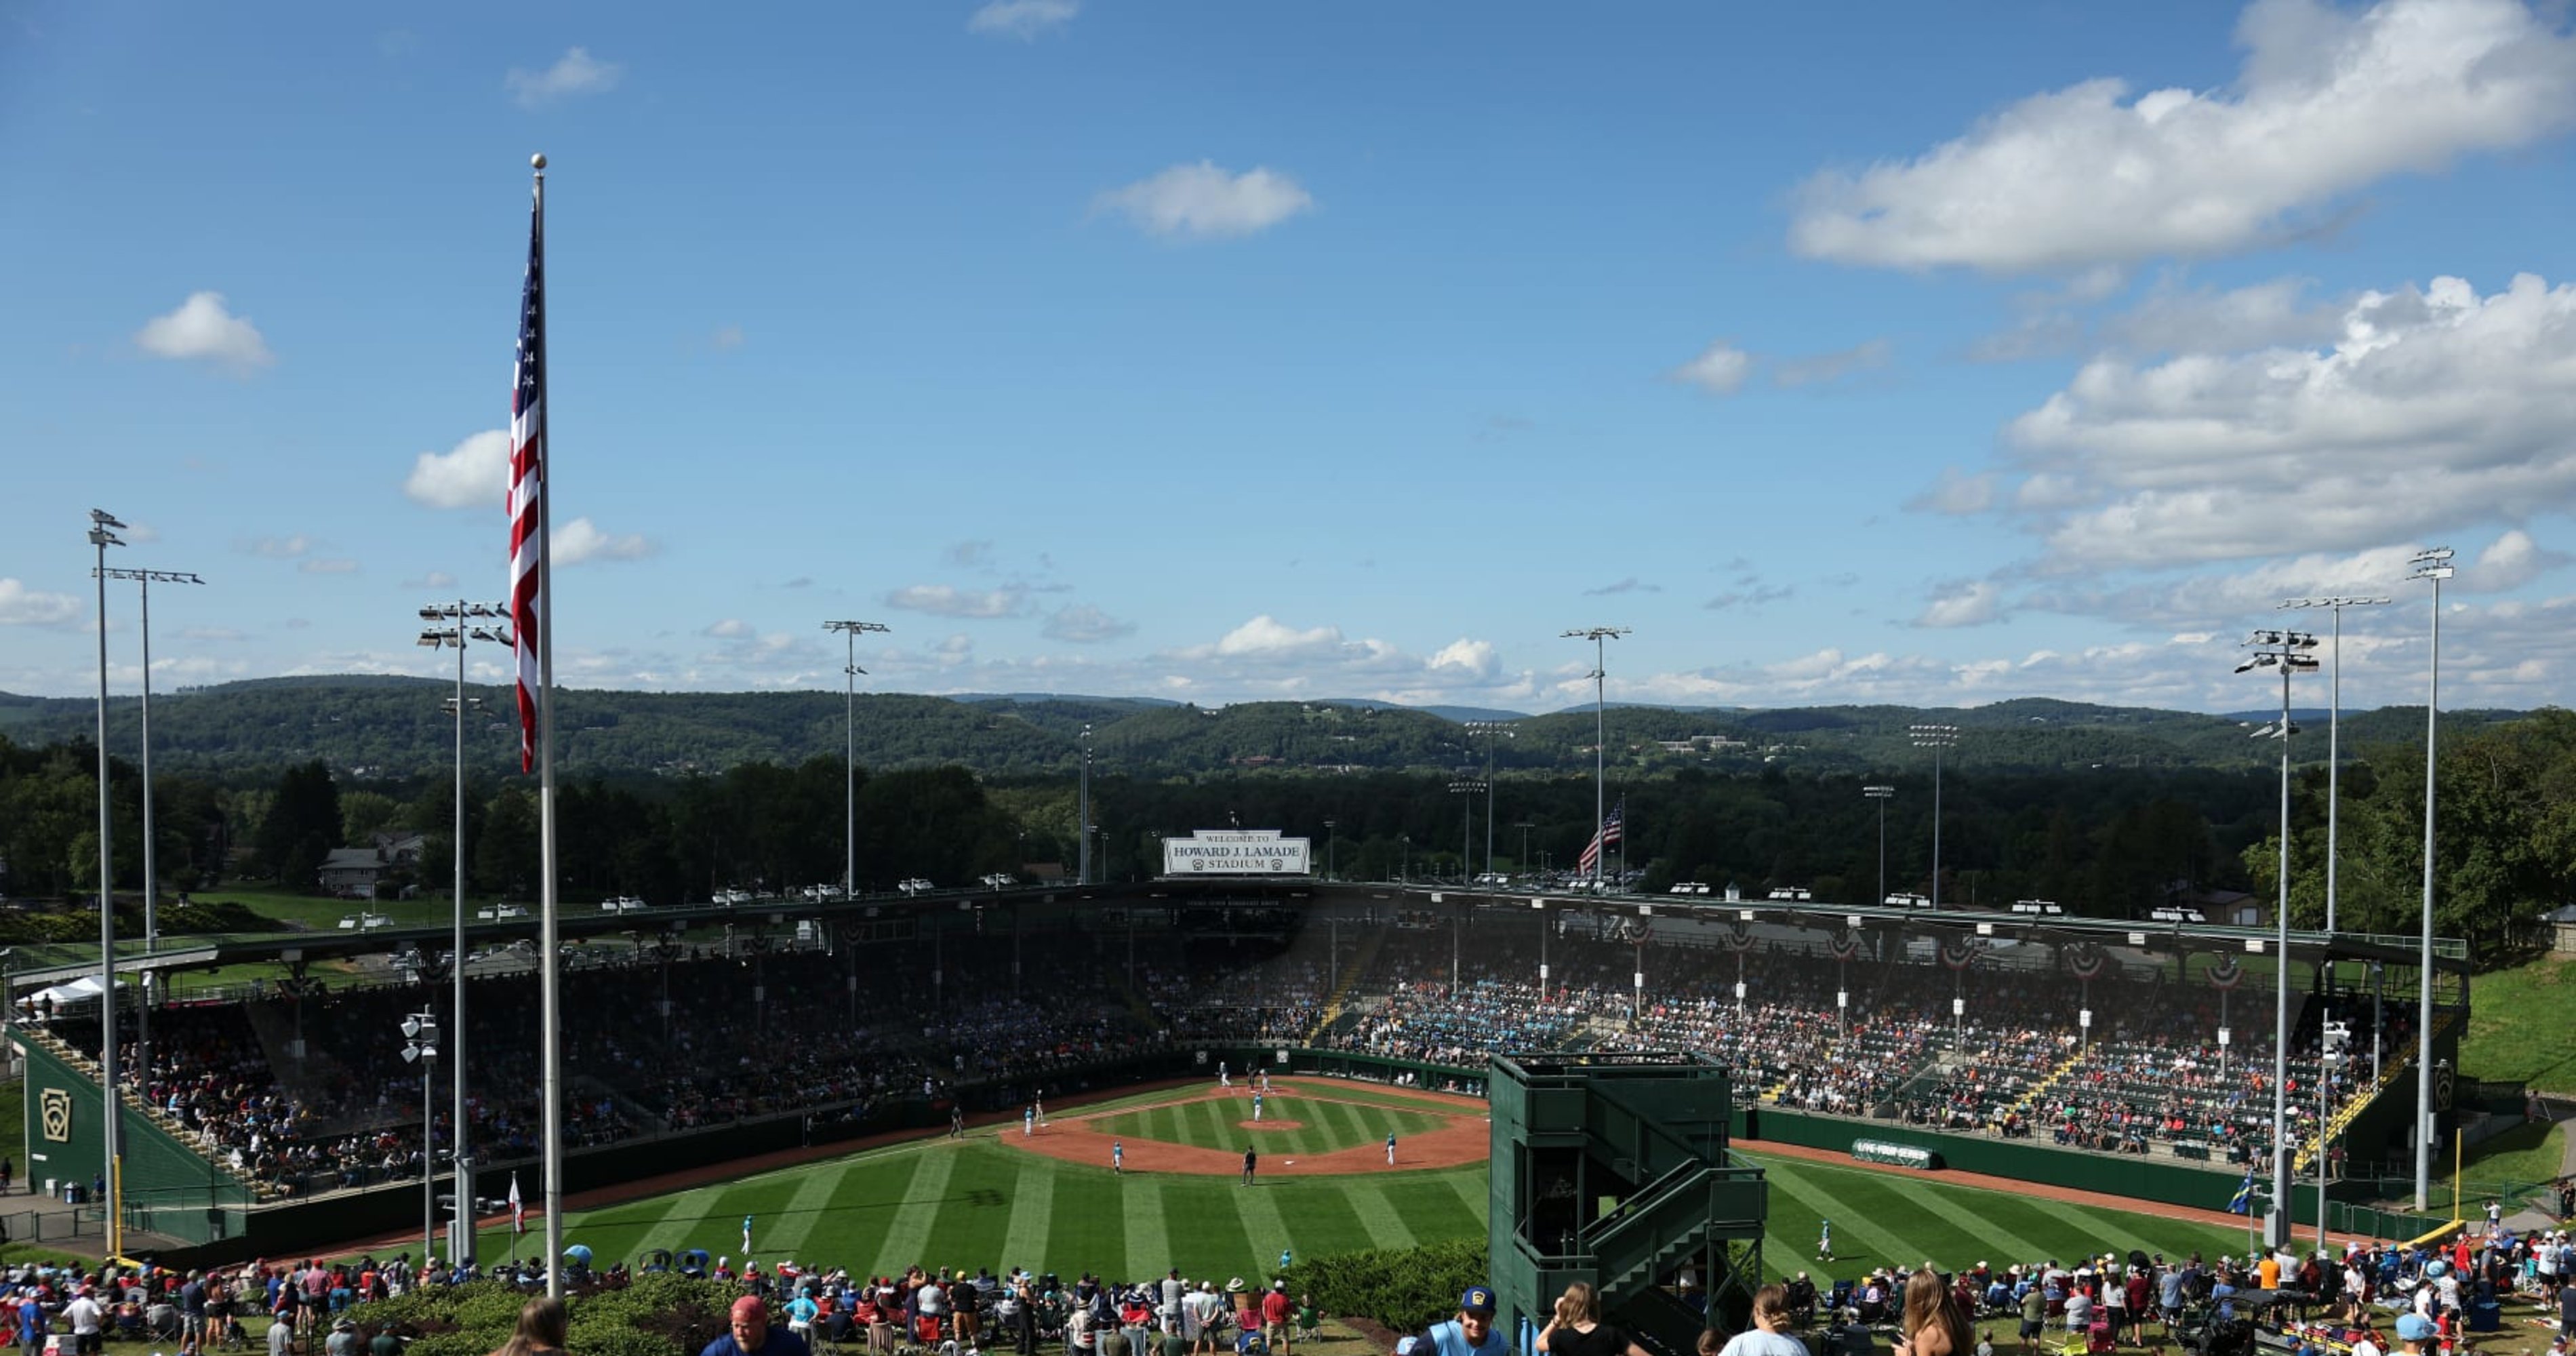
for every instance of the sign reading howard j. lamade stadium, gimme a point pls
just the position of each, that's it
(1238, 852)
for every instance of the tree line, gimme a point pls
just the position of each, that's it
(2111, 842)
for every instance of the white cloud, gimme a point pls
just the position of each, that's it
(2327, 103)
(202, 328)
(2509, 562)
(1204, 201)
(23, 606)
(1973, 604)
(1267, 635)
(1824, 369)
(1082, 624)
(946, 600)
(731, 628)
(581, 540)
(577, 72)
(473, 474)
(726, 337)
(435, 579)
(281, 548)
(2435, 409)
(2265, 315)
(1719, 369)
(1468, 656)
(1957, 493)
(2245, 591)
(330, 566)
(1025, 20)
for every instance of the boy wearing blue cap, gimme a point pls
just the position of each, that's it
(1471, 1333)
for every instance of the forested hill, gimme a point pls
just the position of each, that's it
(397, 727)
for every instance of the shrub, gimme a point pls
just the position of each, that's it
(1406, 1289)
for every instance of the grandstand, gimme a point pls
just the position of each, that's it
(716, 1033)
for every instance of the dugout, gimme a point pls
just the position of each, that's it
(1616, 1171)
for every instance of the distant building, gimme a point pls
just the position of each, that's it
(353, 872)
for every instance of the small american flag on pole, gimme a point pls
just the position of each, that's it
(528, 485)
(1604, 837)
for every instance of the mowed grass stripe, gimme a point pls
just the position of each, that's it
(1992, 1227)
(1089, 1227)
(1327, 1224)
(975, 1216)
(1850, 1226)
(1264, 1224)
(1203, 1224)
(1378, 1214)
(804, 1210)
(1032, 1204)
(909, 1232)
(1148, 1233)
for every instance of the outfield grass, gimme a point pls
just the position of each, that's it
(979, 1203)
(2518, 1020)
(1323, 1125)
(2529, 1153)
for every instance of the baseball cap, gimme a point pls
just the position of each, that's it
(748, 1306)
(2414, 1328)
(1478, 1300)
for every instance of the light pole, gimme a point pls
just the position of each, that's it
(1083, 810)
(1330, 842)
(1600, 675)
(2286, 651)
(2334, 736)
(1494, 731)
(1403, 858)
(420, 1046)
(1467, 825)
(454, 624)
(103, 528)
(2433, 566)
(851, 631)
(1881, 794)
(1520, 864)
(151, 861)
(1939, 739)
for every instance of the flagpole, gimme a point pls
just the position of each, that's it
(549, 988)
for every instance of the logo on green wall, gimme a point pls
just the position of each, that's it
(54, 1114)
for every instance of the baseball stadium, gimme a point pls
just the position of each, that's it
(1674, 1098)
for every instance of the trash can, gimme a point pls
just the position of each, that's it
(2486, 1315)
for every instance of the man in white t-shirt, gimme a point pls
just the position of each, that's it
(83, 1316)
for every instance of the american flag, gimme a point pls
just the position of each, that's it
(527, 483)
(1609, 833)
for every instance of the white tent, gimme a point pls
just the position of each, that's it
(77, 993)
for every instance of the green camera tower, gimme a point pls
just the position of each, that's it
(1616, 1171)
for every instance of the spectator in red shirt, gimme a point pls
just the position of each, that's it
(1274, 1317)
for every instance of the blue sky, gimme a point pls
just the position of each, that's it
(1230, 352)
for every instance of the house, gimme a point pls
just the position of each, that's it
(352, 872)
(2561, 922)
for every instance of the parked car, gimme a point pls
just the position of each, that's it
(915, 886)
(621, 904)
(365, 922)
(495, 913)
(1000, 880)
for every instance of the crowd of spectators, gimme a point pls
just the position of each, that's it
(661, 1038)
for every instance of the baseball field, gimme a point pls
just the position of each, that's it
(1050, 1201)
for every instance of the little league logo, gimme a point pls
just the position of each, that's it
(54, 1114)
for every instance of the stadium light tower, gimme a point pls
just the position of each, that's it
(151, 860)
(1083, 810)
(2334, 735)
(1881, 794)
(1467, 826)
(455, 624)
(103, 528)
(1939, 739)
(2287, 652)
(1494, 731)
(2433, 566)
(1600, 636)
(851, 671)
(420, 1046)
